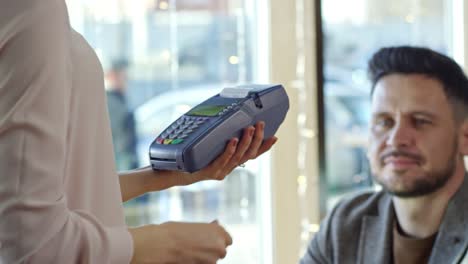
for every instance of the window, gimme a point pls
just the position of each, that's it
(352, 32)
(169, 56)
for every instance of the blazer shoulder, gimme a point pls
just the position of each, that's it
(355, 206)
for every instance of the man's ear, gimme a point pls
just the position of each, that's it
(463, 137)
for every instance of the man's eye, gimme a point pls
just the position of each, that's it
(383, 123)
(420, 122)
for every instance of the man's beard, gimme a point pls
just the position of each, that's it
(433, 180)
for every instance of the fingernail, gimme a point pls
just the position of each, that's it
(251, 132)
(234, 143)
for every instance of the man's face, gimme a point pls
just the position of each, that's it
(117, 80)
(413, 143)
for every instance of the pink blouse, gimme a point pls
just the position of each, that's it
(60, 199)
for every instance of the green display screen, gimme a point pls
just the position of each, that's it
(206, 110)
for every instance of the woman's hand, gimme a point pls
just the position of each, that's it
(236, 153)
(185, 243)
(137, 182)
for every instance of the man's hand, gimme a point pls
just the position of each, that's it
(250, 147)
(185, 243)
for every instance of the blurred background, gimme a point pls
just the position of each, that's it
(162, 57)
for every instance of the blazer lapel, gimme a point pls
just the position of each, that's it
(375, 239)
(462, 258)
(452, 238)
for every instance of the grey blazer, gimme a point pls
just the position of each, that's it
(359, 230)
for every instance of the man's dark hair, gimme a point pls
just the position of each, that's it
(419, 60)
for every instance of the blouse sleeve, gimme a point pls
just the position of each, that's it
(36, 226)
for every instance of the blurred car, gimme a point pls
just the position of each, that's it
(347, 105)
(159, 112)
(211, 197)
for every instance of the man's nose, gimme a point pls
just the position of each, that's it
(400, 135)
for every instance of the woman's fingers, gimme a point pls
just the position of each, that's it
(267, 144)
(216, 168)
(250, 146)
(243, 146)
(257, 140)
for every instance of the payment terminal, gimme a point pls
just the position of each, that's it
(199, 136)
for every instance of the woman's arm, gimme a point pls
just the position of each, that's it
(137, 182)
(36, 223)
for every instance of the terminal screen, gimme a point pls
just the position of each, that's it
(206, 110)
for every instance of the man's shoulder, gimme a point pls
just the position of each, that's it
(338, 239)
(357, 205)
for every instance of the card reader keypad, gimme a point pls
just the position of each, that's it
(180, 130)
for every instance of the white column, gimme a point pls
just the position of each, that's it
(286, 204)
(459, 31)
(465, 31)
